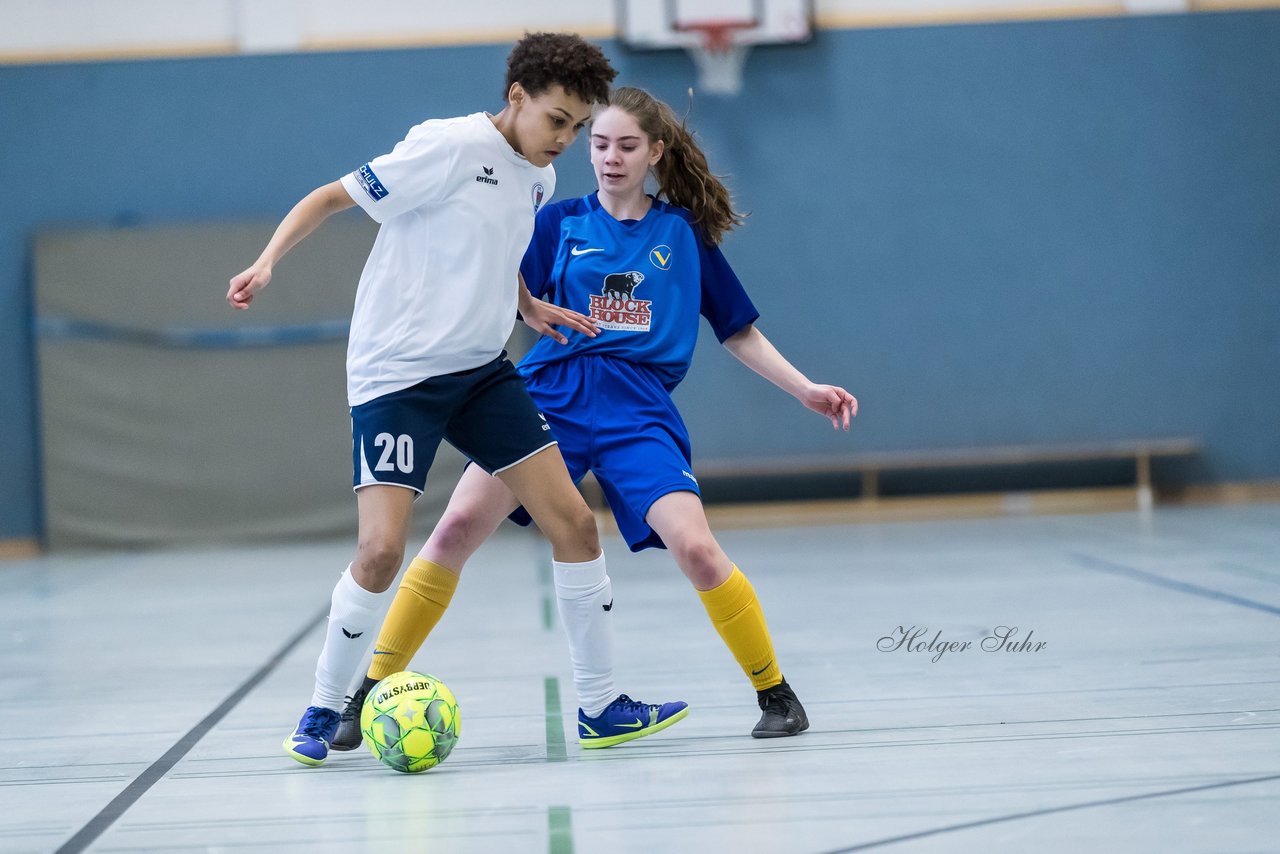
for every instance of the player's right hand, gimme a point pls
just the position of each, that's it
(248, 283)
(543, 318)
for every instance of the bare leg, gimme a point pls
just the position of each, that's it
(385, 513)
(477, 507)
(679, 519)
(732, 606)
(541, 483)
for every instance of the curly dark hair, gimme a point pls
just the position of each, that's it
(542, 60)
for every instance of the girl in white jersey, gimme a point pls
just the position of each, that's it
(436, 303)
(644, 269)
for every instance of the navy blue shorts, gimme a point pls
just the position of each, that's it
(616, 419)
(485, 413)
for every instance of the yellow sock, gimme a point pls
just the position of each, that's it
(736, 613)
(423, 596)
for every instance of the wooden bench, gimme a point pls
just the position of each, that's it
(869, 466)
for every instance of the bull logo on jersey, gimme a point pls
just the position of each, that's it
(616, 306)
(621, 285)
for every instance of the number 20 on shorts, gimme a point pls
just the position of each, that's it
(399, 447)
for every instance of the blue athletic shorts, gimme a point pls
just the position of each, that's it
(615, 419)
(485, 413)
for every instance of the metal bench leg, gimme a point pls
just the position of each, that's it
(1146, 495)
(870, 485)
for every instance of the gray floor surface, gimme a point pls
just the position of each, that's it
(144, 698)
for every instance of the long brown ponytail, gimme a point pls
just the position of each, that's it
(684, 178)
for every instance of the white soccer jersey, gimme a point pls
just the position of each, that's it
(438, 293)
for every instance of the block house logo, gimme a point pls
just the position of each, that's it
(616, 306)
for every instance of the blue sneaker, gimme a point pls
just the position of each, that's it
(625, 719)
(309, 743)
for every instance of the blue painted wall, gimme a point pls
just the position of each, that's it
(1008, 233)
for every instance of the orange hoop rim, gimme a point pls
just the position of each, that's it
(717, 34)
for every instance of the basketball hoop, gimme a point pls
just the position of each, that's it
(717, 34)
(719, 54)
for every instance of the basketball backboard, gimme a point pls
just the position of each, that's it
(717, 34)
(661, 24)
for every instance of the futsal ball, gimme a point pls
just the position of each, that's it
(410, 721)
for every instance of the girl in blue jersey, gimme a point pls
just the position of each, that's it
(643, 269)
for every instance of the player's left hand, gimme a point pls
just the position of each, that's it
(832, 402)
(543, 318)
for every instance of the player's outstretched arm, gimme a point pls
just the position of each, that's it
(755, 351)
(306, 216)
(543, 317)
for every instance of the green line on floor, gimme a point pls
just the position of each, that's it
(559, 830)
(555, 726)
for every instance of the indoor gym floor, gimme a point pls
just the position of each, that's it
(144, 697)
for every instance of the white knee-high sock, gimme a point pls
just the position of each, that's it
(354, 614)
(584, 598)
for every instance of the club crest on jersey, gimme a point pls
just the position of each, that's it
(660, 256)
(616, 306)
(539, 193)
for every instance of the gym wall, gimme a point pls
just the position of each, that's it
(1047, 231)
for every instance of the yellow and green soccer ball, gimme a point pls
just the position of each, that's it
(410, 721)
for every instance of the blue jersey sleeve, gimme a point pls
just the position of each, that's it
(725, 303)
(540, 257)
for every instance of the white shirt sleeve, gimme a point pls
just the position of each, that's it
(413, 174)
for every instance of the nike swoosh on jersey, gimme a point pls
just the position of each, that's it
(573, 250)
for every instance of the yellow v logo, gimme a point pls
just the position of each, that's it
(660, 256)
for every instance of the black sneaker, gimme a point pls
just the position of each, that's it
(783, 714)
(348, 736)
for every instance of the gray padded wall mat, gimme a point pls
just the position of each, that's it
(164, 418)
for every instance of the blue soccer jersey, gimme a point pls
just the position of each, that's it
(644, 282)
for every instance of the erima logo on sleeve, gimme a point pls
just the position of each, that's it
(370, 184)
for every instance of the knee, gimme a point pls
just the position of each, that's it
(377, 561)
(576, 526)
(582, 523)
(702, 561)
(451, 542)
